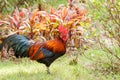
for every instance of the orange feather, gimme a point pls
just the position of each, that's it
(55, 46)
(33, 49)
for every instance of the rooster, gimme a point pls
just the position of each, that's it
(45, 53)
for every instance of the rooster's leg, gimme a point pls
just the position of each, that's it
(48, 70)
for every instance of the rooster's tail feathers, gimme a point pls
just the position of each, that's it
(5, 41)
(20, 44)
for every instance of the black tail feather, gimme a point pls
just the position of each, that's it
(20, 44)
(5, 41)
(0, 46)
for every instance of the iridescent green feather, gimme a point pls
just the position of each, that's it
(20, 44)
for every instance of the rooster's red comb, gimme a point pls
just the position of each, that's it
(63, 32)
(62, 29)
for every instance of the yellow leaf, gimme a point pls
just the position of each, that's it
(55, 25)
(87, 24)
(35, 30)
(82, 24)
(40, 26)
(119, 3)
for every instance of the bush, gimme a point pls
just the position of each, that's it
(107, 26)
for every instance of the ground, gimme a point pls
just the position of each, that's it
(61, 69)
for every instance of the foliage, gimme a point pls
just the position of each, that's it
(105, 17)
(8, 6)
(110, 26)
(42, 24)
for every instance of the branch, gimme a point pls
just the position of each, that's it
(109, 10)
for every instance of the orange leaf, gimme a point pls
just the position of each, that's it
(83, 12)
(34, 14)
(64, 13)
(73, 16)
(54, 18)
(52, 11)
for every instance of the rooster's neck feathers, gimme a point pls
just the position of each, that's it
(58, 38)
(57, 45)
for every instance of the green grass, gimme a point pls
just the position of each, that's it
(60, 2)
(8, 8)
(26, 69)
(55, 3)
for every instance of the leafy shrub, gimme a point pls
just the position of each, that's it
(107, 26)
(41, 25)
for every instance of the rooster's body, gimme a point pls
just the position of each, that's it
(44, 53)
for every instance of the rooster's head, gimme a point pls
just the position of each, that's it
(63, 33)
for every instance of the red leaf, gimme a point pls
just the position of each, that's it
(21, 14)
(62, 29)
